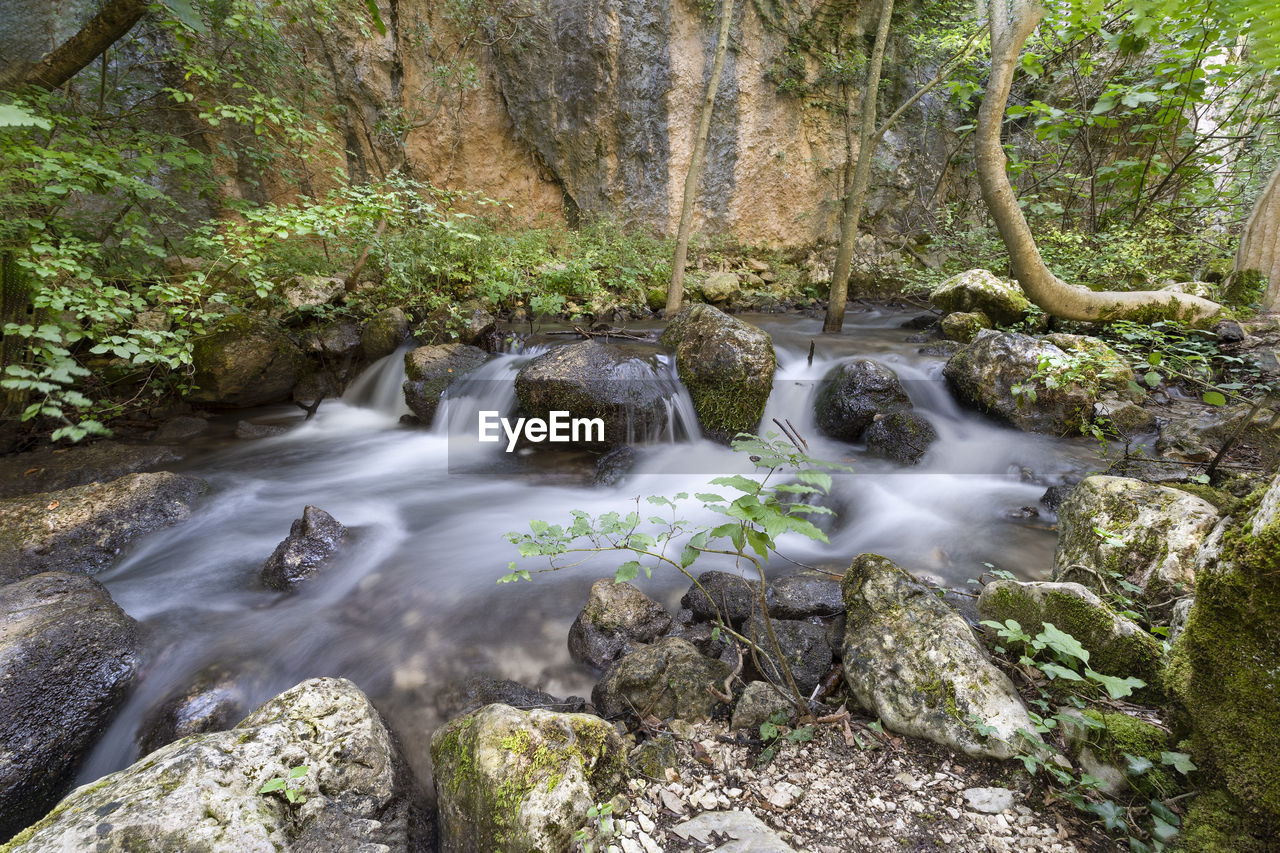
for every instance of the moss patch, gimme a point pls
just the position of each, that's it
(1123, 734)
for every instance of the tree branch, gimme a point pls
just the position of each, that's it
(66, 60)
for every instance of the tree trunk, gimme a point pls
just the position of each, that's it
(66, 60)
(14, 298)
(1012, 22)
(856, 192)
(1260, 243)
(675, 291)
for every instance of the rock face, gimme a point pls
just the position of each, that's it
(244, 362)
(202, 793)
(620, 384)
(904, 437)
(726, 364)
(431, 370)
(383, 333)
(67, 657)
(667, 679)
(913, 662)
(82, 529)
(1116, 645)
(617, 619)
(521, 781)
(312, 540)
(1153, 535)
(979, 290)
(853, 393)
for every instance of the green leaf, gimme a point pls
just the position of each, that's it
(1138, 764)
(299, 771)
(1053, 670)
(270, 785)
(1117, 688)
(1063, 643)
(1215, 398)
(1179, 761)
(628, 571)
(15, 116)
(372, 6)
(739, 482)
(1152, 378)
(185, 13)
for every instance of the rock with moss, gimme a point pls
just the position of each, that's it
(759, 701)
(1106, 368)
(68, 655)
(1115, 527)
(904, 437)
(617, 619)
(720, 288)
(963, 326)
(1122, 416)
(83, 529)
(912, 661)
(1215, 823)
(383, 334)
(1117, 646)
(244, 361)
(202, 792)
(1225, 668)
(666, 680)
(311, 291)
(651, 758)
(1102, 741)
(853, 394)
(726, 364)
(429, 372)
(622, 384)
(980, 290)
(1199, 437)
(521, 781)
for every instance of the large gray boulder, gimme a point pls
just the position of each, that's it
(912, 661)
(617, 619)
(201, 793)
(244, 361)
(726, 364)
(521, 781)
(82, 529)
(431, 370)
(622, 385)
(1150, 536)
(67, 657)
(312, 540)
(979, 290)
(667, 679)
(853, 393)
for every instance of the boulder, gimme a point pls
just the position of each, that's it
(1108, 369)
(904, 437)
(731, 596)
(202, 792)
(804, 647)
(1124, 416)
(45, 470)
(180, 429)
(478, 328)
(668, 679)
(721, 287)
(311, 291)
(806, 594)
(383, 334)
(1102, 743)
(431, 370)
(339, 339)
(853, 393)
(67, 657)
(979, 290)
(212, 702)
(758, 702)
(651, 758)
(312, 540)
(617, 619)
(82, 529)
(964, 326)
(913, 661)
(1116, 645)
(244, 362)
(726, 364)
(521, 781)
(1152, 536)
(621, 384)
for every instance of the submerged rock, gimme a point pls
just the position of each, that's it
(668, 679)
(478, 691)
(431, 370)
(904, 437)
(202, 793)
(213, 702)
(617, 619)
(980, 290)
(312, 540)
(913, 662)
(853, 393)
(82, 529)
(727, 365)
(521, 781)
(67, 657)
(244, 362)
(613, 467)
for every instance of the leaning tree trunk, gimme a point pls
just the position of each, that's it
(857, 190)
(675, 291)
(1012, 22)
(1260, 243)
(113, 20)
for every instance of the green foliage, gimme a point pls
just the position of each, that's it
(601, 827)
(287, 786)
(1170, 352)
(774, 732)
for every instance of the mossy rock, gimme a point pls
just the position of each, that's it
(244, 361)
(853, 394)
(1214, 824)
(964, 326)
(431, 370)
(383, 334)
(904, 437)
(1103, 746)
(667, 680)
(980, 290)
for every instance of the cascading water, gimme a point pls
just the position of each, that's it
(412, 605)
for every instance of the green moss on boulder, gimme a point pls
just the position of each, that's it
(244, 361)
(980, 290)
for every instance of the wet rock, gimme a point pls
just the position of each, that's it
(1125, 416)
(942, 348)
(1198, 438)
(45, 470)
(904, 437)
(67, 657)
(613, 467)
(312, 541)
(617, 619)
(383, 334)
(521, 781)
(913, 662)
(668, 679)
(758, 702)
(356, 787)
(1178, 617)
(251, 431)
(1152, 535)
(720, 288)
(82, 529)
(339, 339)
(244, 362)
(478, 691)
(804, 647)
(1055, 495)
(979, 290)
(477, 328)
(180, 429)
(920, 322)
(730, 595)
(853, 393)
(431, 370)
(1229, 332)
(726, 364)
(686, 626)
(806, 594)
(964, 326)
(621, 384)
(213, 702)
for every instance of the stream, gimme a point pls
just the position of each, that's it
(411, 604)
